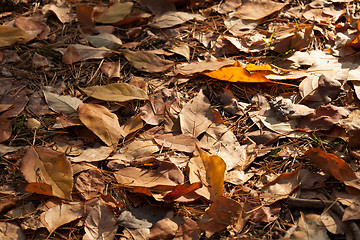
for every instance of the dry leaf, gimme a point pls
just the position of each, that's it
(180, 142)
(258, 9)
(196, 115)
(334, 166)
(171, 19)
(90, 184)
(163, 229)
(63, 12)
(100, 121)
(215, 170)
(114, 13)
(197, 67)
(281, 187)
(100, 223)
(39, 188)
(12, 35)
(131, 125)
(107, 40)
(236, 74)
(181, 190)
(5, 129)
(39, 61)
(65, 104)
(61, 214)
(136, 177)
(147, 61)
(158, 7)
(117, 92)
(33, 26)
(188, 231)
(44, 165)
(9, 231)
(78, 52)
(93, 154)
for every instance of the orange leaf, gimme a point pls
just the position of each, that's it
(236, 74)
(215, 170)
(253, 67)
(181, 190)
(331, 164)
(39, 188)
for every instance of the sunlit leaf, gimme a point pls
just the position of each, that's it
(42, 165)
(116, 92)
(181, 190)
(65, 104)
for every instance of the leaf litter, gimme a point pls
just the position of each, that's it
(225, 119)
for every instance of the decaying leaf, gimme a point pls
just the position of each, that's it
(12, 35)
(100, 121)
(180, 142)
(181, 190)
(334, 166)
(93, 154)
(163, 229)
(100, 223)
(114, 13)
(117, 92)
(5, 129)
(171, 19)
(196, 115)
(9, 231)
(83, 53)
(89, 184)
(44, 165)
(281, 187)
(61, 214)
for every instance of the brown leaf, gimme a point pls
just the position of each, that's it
(180, 142)
(90, 184)
(189, 230)
(84, 15)
(62, 11)
(131, 125)
(170, 19)
(71, 55)
(39, 61)
(100, 121)
(163, 229)
(61, 214)
(281, 187)
(117, 92)
(100, 223)
(10, 231)
(147, 61)
(93, 154)
(39, 188)
(12, 35)
(44, 165)
(196, 115)
(33, 26)
(334, 166)
(136, 177)
(5, 129)
(158, 7)
(257, 9)
(114, 13)
(181, 190)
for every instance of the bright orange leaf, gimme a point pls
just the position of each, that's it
(236, 74)
(253, 67)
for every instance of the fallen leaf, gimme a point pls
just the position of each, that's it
(181, 190)
(158, 7)
(131, 125)
(334, 166)
(163, 229)
(116, 92)
(100, 223)
(85, 52)
(9, 231)
(147, 61)
(189, 230)
(114, 13)
(12, 35)
(39, 188)
(5, 129)
(39, 61)
(215, 170)
(62, 11)
(111, 69)
(65, 104)
(196, 115)
(61, 214)
(93, 154)
(21, 211)
(236, 74)
(44, 165)
(89, 184)
(258, 9)
(5, 149)
(281, 187)
(180, 142)
(100, 121)
(107, 40)
(308, 227)
(33, 26)
(170, 19)
(136, 177)
(197, 67)
(181, 49)
(128, 220)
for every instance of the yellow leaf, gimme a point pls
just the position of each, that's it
(236, 74)
(215, 170)
(253, 67)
